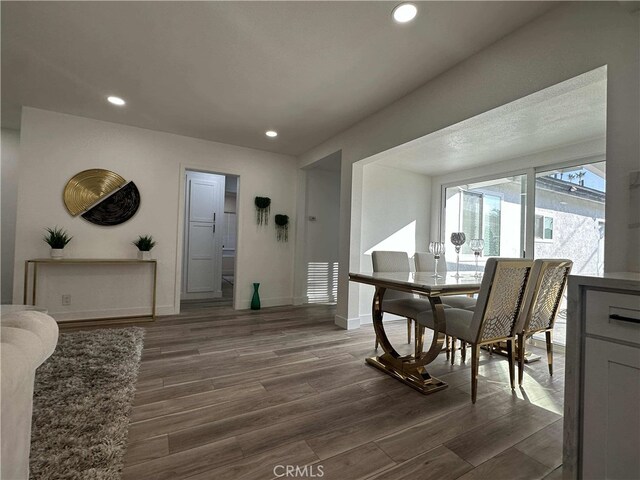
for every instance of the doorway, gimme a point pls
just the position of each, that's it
(525, 179)
(322, 223)
(209, 254)
(229, 236)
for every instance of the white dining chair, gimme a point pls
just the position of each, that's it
(425, 262)
(495, 316)
(395, 302)
(547, 283)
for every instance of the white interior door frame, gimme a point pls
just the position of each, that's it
(180, 227)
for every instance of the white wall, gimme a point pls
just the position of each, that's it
(10, 144)
(54, 147)
(395, 215)
(321, 245)
(323, 203)
(567, 41)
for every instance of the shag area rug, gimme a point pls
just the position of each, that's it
(81, 405)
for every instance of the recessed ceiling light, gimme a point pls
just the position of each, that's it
(116, 100)
(271, 133)
(405, 12)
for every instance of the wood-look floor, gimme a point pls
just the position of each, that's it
(230, 395)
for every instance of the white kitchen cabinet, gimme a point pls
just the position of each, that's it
(602, 384)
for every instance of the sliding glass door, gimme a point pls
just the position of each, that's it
(566, 219)
(569, 222)
(569, 216)
(490, 210)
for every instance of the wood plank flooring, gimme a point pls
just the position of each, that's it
(231, 395)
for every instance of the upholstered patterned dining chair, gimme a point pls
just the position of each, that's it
(542, 299)
(495, 316)
(395, 302)
(425, 262)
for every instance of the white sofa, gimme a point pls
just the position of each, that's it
(27, 339)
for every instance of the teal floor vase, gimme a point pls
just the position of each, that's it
(255, 300)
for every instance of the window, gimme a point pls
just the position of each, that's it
(544, 227)
(489, 209)
(481, 219)
(471, 215)
(492, 212)
(568, 223)
(569, 215)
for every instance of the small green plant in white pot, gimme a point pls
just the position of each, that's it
(144, 243)
(57, 239)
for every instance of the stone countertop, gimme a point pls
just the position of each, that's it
(624, 280)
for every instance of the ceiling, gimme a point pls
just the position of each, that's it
(228, 71)
(569, 113)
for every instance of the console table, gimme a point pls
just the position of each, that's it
(85, 261)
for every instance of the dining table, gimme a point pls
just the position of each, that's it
(412, 369)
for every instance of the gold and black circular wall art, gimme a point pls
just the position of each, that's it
(101, 197)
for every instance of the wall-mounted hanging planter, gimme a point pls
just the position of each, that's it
(282, 228)
(263, 209)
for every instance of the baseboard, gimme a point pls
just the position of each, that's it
(105, 322)
(110, 313)
(201, 296)
(300, 300)
(367, 319)
(100, 314)
(265, 302)
(166, 310)
(347, 323)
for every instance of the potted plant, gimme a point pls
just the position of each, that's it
(144, 243)
(57, 239)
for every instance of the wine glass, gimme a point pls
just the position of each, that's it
(437, 249)
(476, 245)
(458, 239)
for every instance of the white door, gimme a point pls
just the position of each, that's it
(203, 236)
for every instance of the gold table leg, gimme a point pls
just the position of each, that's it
(409, 369)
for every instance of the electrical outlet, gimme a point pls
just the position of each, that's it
(66, 299)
